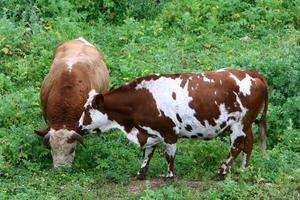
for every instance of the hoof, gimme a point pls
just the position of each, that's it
(218, 177)
(167, 178)
(138, 178)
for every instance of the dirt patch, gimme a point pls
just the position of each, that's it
(137, 186)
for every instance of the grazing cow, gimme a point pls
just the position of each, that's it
(162, 108)
(77, 68)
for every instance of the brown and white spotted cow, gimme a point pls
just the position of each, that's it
(77, 68)
(162, 108)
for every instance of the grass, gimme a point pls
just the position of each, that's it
(180, 36)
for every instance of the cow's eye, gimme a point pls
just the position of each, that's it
(72, 150)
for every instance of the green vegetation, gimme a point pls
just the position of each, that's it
(138, 38)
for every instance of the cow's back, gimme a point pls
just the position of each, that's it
(77, 68)
(193, 103)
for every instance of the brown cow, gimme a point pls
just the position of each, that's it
(77, 68)
(162, 108)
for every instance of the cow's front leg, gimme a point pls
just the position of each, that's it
(148, 152)
(170, 157)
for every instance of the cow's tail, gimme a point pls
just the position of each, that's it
(262, 122)
(262, 127)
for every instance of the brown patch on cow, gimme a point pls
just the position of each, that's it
(206, 103)
(134, 83)
(183, 82)
(188, 128)
(87, 118)
(174, 95)
(231, 118)
(211, 76)
(238, 144)
(116, 111)
(142, 137)
(178, 118)
(223, 125)
(199, 134)
(238, 73)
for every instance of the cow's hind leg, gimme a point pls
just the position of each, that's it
(248, 146)
(237, 139)
(170, 157)
(148, 152)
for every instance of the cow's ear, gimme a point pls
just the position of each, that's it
(99, 99)
(42, 131)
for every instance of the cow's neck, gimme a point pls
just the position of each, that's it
(118, 111)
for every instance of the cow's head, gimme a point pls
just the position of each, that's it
(63, 143)
(93, 116)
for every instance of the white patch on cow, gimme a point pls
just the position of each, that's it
(238, 100)
(224, 113)
(171, 149)
(154, 137)
(85, 42)
(224, 169)
(166, 104)
(100, 121)
(70, 64)
(215, 92)
(244, 162)
(216, 103)
(132, 135)
(61, 148)
(221, 82)
(170, 107)
(229, 160)
(151, 131)
(80, 122)
(221, 70)
(207, 79)
(170, 173)
(244, 85)
(148, 151)
(223, 166)
(237, 128)
(91, 96)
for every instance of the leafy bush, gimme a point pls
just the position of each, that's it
(233, 18)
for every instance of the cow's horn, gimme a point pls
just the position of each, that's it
(46, 140)
(76, 136)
